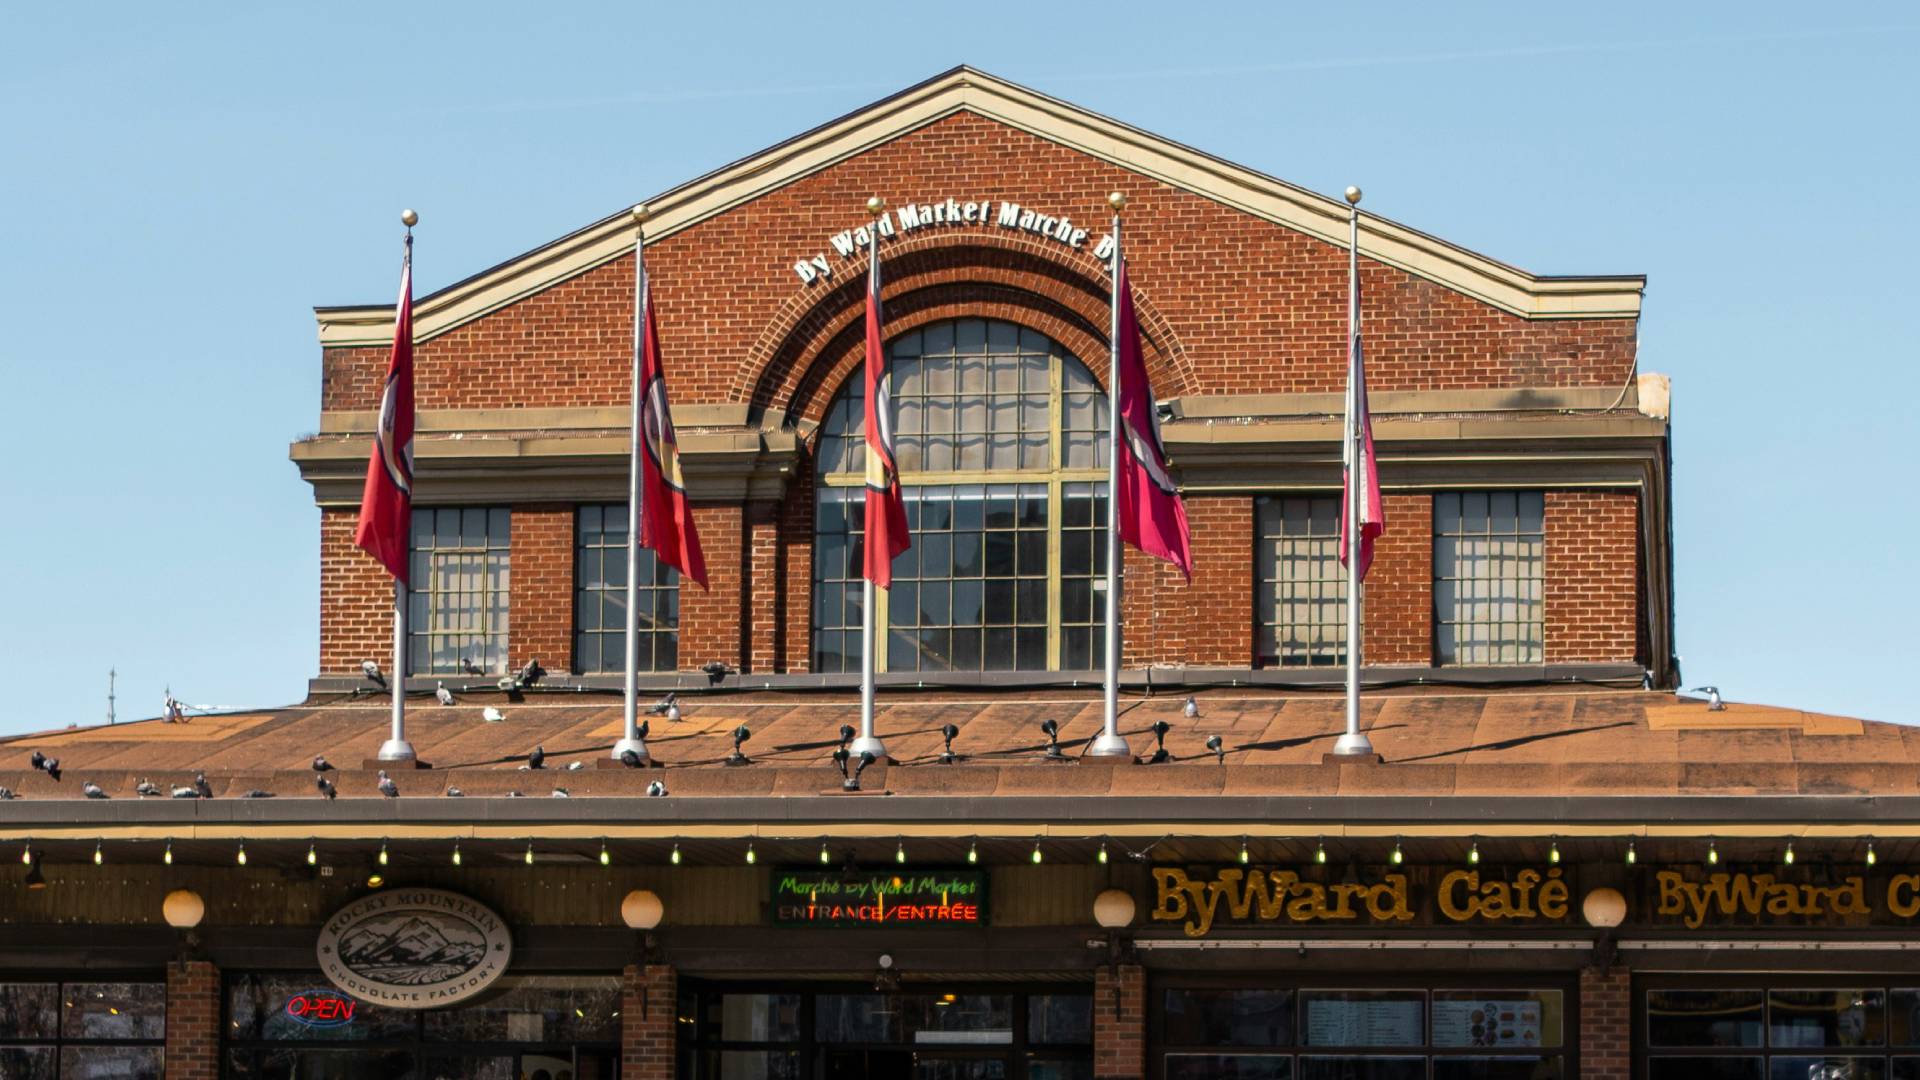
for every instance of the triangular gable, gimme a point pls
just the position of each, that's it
(965, 89)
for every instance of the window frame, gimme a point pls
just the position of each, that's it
(1335, 641)
(1445, 625)
(1767, 983)
(421, 601)
(59, 1041)
(1056, 477)
(655, 577)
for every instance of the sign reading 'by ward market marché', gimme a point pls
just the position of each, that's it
(880, 898)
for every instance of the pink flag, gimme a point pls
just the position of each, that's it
(386, 502)
(1152, 517)
(885, 507)
(1359, 430)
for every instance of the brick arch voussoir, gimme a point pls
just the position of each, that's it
(785, 363)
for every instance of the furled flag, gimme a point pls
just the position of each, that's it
(386, 503)
(666, 514)
(1359, 433)
(886, 509)
(1152, 517)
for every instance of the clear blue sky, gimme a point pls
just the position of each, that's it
(179, 189)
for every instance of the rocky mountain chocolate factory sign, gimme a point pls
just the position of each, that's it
(414, 948)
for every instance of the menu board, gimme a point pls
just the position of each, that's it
(1491, 1022)
(1334, 1022)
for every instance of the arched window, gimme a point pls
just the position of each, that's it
(1001, 434)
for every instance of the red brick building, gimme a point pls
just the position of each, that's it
(1558, 868)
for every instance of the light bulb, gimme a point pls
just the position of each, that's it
(98, 856)
(1103, 853)
(1320, 853)
(167, 855)
(1713, 854)
(26, 854)
(1397, 858)
(825, 856)
(1473, 854)
(1243, 853)
(240, 856)
(675, 857)
(456, 854)
(1553, 852)
(1787, 857)
(313, 857)
(605, 859)
(529, 855)
(1036, 853)
(383, 853)
(973, 852)
(900, 853)
(751, 857)
(1631, 856)
(1871, 857)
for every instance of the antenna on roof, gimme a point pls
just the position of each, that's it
(111, 676)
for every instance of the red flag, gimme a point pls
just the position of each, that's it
(666, 514)
(1359, 429)
(386, 504)
(1152, 517)
(886, 509)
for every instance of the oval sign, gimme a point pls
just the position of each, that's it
(414, 948)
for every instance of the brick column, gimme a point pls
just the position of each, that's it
(1592, 580)
(713, 620)
(540, 594)
(1120, 1022)
(649, 1004)
(765, 596)
(1606, 1011)
(193, 1021)
(1399, 608)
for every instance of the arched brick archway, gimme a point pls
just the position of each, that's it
(816, 340)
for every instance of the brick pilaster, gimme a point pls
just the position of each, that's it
(193, 1021)
(1606, 1044)
(1120, 1022)
(764, 590)
(1592, 580)
(1399, 589)
(540, 595)
(649, 1004)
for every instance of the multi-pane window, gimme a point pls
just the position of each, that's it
(1300, 588)
(1804, 1027)
(54, 1029)
(600, 597)
(1489, 553)
(458, 609)
(1001, 437)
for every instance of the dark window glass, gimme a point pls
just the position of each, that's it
(963, 599)
(458, 601)
(1363, 1018)
(976, 1019)
(600, 597)
(1705, 1018)
(29, 1062)
(304, 1008)
(1827, 1068)
(1814, 1018)
(747, 1065)
(1039, 1069)
(536, 1009)
(1903, 1018)
(119, 1062)
(1706, 1068)
(105, 1010)
(1060, 1019)
(291, 1064)
(1229, 1067)
(1229, 1017)
(933, 1068)
(1496, 1068)
(29, 1011)
(500, 1067)
(1905, 1068)
(1507, 1019)
(1362, 1068)
(842, 1018)
(751, 1018)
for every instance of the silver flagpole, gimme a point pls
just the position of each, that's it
(868, 741)
(1354, 741)
(630, 706)
(1110, 743)
(397, 748)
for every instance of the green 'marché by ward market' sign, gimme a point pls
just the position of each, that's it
(879, 898)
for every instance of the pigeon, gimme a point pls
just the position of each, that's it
(537, 759)
(387, 787)
(467, 665)
(1191, 709)
(200, 785)
(53, 767)
(442, 694)
(659, 708)
(325, 785)
(576, 766)
(38, 761)
(529, 674)
(321, 764)
(715, 671)
(256, 793)
(492, 715)
(645, 727)
(92, 790)
(455, 793)
(6, 793)
(561, 793)
(630, 759)
(185, 793)
(145, 788)
(656, 789)
(513, 795)
(372, 671)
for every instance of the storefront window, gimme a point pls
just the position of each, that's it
(1795, 1030)
(50, 1030)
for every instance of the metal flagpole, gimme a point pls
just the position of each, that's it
(868, 741)
(397, 748)
(1354, 741)
(630, 740)
(1110, 743)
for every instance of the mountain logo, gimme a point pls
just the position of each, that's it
(414, 948)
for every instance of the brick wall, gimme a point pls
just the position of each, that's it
(1399, 589)
(1592, 576)
(713, 620)
(540, 587)
(193, 1021)
(1606, 1048)
(648, 1006)
(356, 599)
(1120, 1022)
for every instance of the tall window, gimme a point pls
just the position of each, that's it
(458, 609)
(1489, 551)
(1001, 435)
(600, 597)
(50, 1029)
(1300, 588)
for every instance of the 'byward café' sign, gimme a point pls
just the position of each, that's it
(414, 948)
(1003, 215)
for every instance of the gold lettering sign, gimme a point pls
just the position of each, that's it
(1272, 897)
(1464, 896)
(1754, 895)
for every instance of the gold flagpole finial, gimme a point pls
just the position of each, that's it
(1117, 200)
(876, 205)
(1353, 196)
(409, 218)
(640, 213)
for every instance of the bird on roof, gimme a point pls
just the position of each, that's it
(321, 764)
(492, 715)
(442, 694)
(467, 665)
(513, 795)
(529, 673)
(1191, 709)
(200, 785)
(561, 793)
(576, 766)
(659, 708)
(146, 787)
(38, 761)
(455, 793)
(656, 789)
(645, 727)
(52, 767)
(387, 787)
(187, 792)
(537, 759)
(1714, 704)
(325, 785)
(630, 759)
(257, 793)
(6, 793)
(92, 790)
(372, 671)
